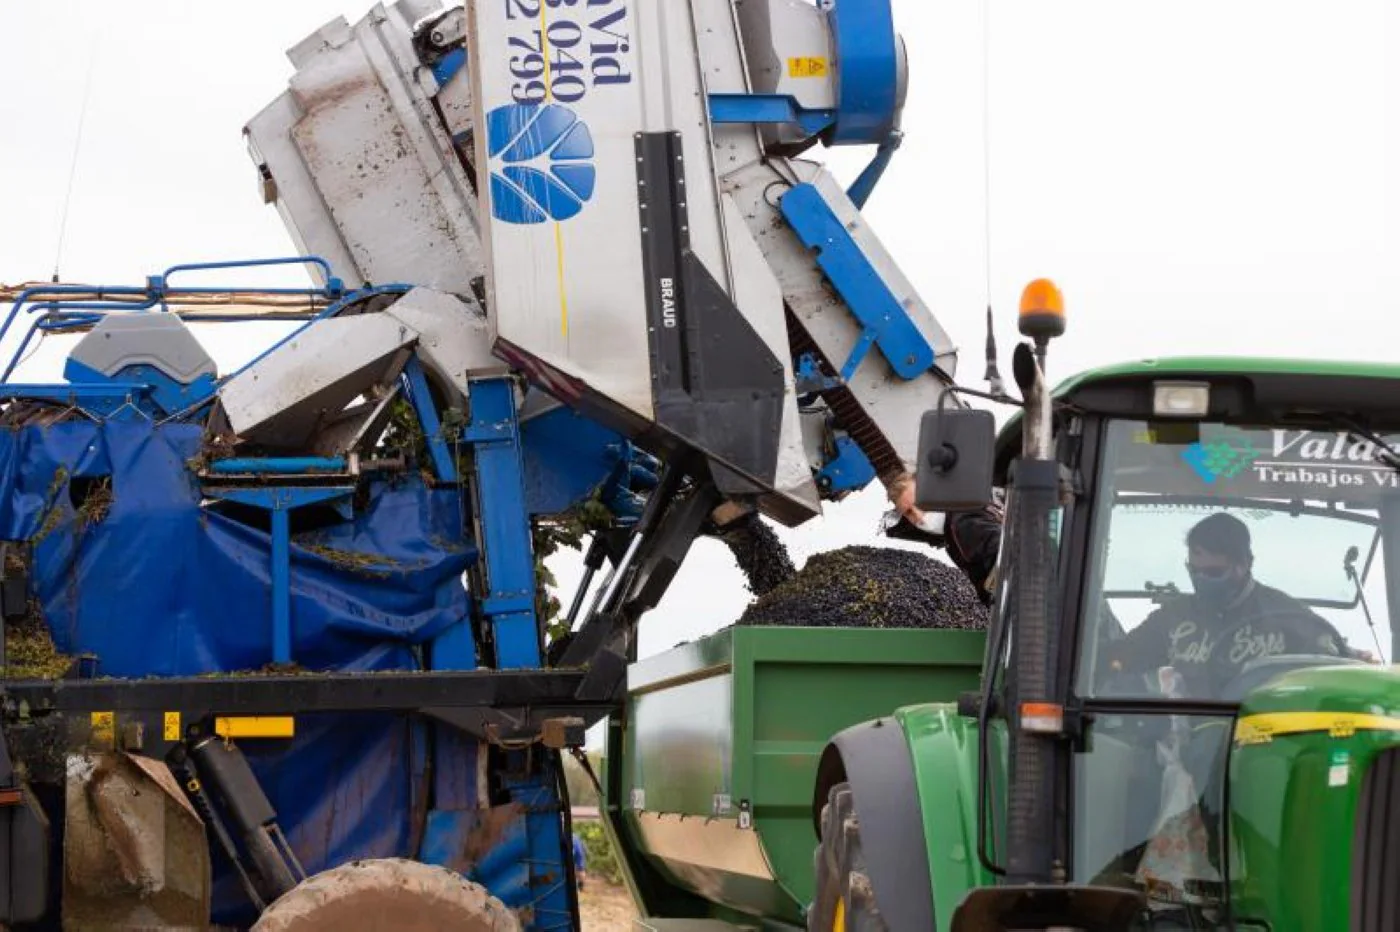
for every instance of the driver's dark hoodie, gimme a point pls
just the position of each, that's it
(1210, 645)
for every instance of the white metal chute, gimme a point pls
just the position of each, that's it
(609, 255)
(359, 163)
(614, 181)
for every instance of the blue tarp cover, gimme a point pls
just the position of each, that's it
(164, 584)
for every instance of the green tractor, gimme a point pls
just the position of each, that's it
(1187, 718)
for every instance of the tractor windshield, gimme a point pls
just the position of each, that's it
(1225, 554)
(1218, 558)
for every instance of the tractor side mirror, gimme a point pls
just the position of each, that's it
(957, 450)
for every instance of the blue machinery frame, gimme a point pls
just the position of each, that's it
(530, 864)
(496, 460)
(867, 58)
(867, 92)
(867, 82)
(507, 604)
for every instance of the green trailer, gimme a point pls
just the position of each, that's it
(709, 770)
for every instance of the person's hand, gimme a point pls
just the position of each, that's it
(904, 501)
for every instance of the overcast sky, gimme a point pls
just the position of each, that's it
(1217, 177)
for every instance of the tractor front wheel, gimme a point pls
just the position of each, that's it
(388, 894)
(845, 901)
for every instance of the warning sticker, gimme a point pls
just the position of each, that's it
(172, 726)
(1339, 771)
(807, 66)
(104, 729)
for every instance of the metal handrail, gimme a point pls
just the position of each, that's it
(58, 303)
(334, 287)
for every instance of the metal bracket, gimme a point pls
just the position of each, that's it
(883, 319)
(848, 470)
(507, 554)
(810, 379)
(768, 108)
(421, 397)
(279, 502)
(860, 190)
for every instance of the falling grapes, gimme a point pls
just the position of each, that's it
(760, 554)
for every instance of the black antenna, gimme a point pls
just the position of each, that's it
(992, 376)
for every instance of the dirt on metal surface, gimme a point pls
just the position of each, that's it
(135, 853)
(871, 587)
(490, 831)
(388, 894)
(135, 838)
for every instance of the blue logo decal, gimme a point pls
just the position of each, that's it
(1219, 459)
(541, 163)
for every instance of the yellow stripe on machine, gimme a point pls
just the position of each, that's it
(558, 227)
(1261, 729)
(261, 726)
(563, 286)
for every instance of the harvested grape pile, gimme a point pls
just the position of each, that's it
(759, 553)
(871, 587)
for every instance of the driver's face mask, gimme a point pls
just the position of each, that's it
(1215, 585)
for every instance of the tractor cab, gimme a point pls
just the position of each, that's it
(1190, 532)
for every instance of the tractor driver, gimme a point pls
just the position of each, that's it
(1229, 620)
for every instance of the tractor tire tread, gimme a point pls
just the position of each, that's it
(387, 893)
(841, 872)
